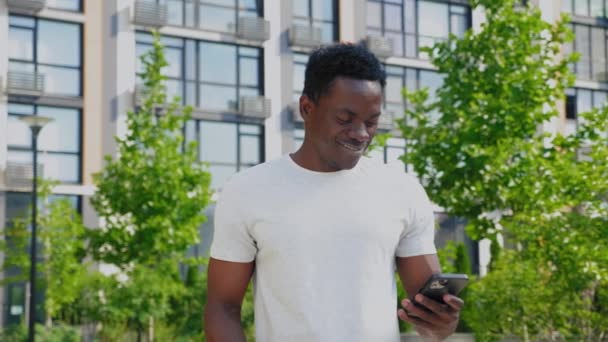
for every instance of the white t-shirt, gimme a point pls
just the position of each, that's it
(324, 246)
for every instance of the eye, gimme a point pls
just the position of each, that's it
(371, 123)
(343, 121)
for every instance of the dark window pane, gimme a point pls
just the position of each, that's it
(59, 80)
(571, 107)
(249, 5)
(21, 43)
(218, 142)
(323, 9)
(217, 63)
(63, 133)
(217, 19)
(392, 18)
(374, 15)
(58, 43)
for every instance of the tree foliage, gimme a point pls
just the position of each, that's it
(485, 158)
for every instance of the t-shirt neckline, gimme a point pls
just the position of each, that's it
(292, 163)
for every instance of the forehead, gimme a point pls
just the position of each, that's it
(349, 87)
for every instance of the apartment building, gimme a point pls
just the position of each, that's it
(240, 64)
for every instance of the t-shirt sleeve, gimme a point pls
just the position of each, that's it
(418, 236)
(231, 238)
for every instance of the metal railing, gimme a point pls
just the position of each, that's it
(25, 6)
(147, 13)
(255, 106)
(305, 35)
(24, 83)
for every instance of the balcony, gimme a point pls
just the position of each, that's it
(305, 36)
(22, 83)
(254, 106)
(382, 47)
(253, 28)
(19, 176)
(25, 6)
(147, 13)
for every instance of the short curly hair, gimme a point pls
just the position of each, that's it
(342, 59)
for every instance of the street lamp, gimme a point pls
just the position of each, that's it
(35, 123)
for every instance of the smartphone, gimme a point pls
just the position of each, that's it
(442, 283)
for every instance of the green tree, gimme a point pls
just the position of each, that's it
(484, 158)
(61, 266)
(151, 199)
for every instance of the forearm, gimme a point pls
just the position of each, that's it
(223, 323)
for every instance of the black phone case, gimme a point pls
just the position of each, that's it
(440, 284)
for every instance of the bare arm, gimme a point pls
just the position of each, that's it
(226, 286)
(439, 320)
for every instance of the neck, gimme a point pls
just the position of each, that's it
(309, 159)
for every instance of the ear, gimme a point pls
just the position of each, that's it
(306, 107)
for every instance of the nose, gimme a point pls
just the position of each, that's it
(359, 132)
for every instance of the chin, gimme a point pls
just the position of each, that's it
(347, 163)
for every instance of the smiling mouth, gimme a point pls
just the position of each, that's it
(350, 147)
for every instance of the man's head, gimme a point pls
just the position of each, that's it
(340, 105)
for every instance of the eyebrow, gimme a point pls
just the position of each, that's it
(351, 113)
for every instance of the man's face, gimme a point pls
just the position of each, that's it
(341, 125)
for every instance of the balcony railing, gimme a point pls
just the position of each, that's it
(24, 83)
(147, 13)
(304, 35)
(20, 175)
(382, 47)
(255, 106)
(253, 28)
(25, 6)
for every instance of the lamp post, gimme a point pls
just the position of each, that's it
(35, 123)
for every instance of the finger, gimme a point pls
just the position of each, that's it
(423, 314)
(413, 320)
(433, 306)
(454, 302)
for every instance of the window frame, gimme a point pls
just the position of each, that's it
(335, 22)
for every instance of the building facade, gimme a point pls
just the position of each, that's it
(240, 64)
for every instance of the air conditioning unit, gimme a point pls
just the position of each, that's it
(382, 47)
(254, 106)
(387, 121)
(20, 175)
(601, 76)
(304, 35)
(24, 83)
(25, 6)
(148, 13)
(253, 28)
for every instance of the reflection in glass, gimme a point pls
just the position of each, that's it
(63, 133)
(60, 80)
(20, 44)
(217, 142)
(217, 63)
(217, 19)
(58, 43)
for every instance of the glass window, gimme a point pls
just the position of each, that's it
(316, 13)
(55, 54)
(227, 147)
(70, 5)
(218, 63)
(217, 19)
(590, 43)
(580, 101)
(58, 144)
(412, 24)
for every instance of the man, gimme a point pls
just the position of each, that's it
(322, 230)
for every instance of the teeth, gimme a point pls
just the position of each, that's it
(349, 146)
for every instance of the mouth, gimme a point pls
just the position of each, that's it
(350, 147)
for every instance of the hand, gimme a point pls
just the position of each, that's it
(437, 322)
